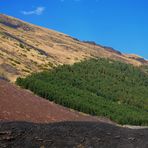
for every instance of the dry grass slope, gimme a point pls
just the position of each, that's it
(26, 48)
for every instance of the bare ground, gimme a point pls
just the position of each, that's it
(81, 131)
(17, 104)
(70, 135)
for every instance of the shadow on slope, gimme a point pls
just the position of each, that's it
(70, 134)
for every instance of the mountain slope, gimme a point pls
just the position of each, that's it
(70, 134)
(26, 48)
(20, 105)
(99, 87)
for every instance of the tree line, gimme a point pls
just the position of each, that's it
(100, 87)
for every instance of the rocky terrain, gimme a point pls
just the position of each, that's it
(70, 135)
(26, 48)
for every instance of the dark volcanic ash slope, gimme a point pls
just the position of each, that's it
(71, 135)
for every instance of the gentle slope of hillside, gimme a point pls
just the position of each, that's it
(26, 48)
(20, 105)
(70, 134)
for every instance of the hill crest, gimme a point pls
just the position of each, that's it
(27, 48)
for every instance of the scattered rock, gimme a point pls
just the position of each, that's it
(131, 138)
(71, 135)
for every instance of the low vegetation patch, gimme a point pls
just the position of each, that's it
(145, 68)
(17, 62)
(99, 87)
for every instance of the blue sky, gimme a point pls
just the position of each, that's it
(121, 24)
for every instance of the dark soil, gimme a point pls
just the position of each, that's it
(70, 135)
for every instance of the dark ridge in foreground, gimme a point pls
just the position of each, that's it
(70, 134)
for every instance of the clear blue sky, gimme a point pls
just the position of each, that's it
(121, 24)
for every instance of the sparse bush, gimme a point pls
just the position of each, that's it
(17, 62)
(25, 70)
(21, 45)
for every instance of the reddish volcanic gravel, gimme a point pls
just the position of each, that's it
(17, 104)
